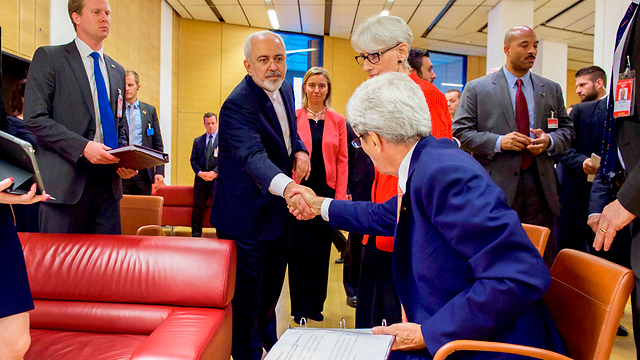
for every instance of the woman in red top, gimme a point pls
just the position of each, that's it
(384, 43)
(324, 134)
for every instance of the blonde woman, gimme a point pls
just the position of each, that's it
(324, 134)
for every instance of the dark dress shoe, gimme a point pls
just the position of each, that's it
(622, 331)
(351, 301)
(339, 261)
(316, 317)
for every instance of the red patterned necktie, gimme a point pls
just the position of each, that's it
(522, 121)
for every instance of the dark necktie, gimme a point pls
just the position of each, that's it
(609, 142)
(106, 114)
(522, 121)
(208, 151)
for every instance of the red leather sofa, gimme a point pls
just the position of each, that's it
(113, 297)
(178, 206)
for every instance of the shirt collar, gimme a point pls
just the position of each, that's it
(511, 79)
(135, 105)
(403, 170)
(85, 50)
(212, 136)
(273, 95)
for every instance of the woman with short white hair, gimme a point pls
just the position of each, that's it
(384, 43)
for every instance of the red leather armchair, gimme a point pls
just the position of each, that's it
(178, 206)
(129, 297)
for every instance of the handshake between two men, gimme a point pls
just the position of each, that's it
(302, 202)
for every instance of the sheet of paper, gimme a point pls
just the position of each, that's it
(330, 344)
(595, 159)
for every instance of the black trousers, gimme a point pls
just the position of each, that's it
(259, 278)
(377, 294)
(310, 250)
(97, 211)
(531, 205)
(202, 191)
(352, 260)
(139, 184)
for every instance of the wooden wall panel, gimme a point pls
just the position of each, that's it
(27, 27)
(572, 97)
(199, 74)
(10, 24)
(233, 37)
(346, 74)
(43, 22)
(476, 67)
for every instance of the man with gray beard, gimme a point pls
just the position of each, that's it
(259, 150)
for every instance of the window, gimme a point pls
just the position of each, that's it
(450, 69)
(303, 53)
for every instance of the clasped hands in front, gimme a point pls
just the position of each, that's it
(518, 142)
(302, 202)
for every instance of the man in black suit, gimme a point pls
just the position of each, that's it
(73, 105)
(626, 208)
(259, 147)
(575, 164)
(204, 162)
(144, 130)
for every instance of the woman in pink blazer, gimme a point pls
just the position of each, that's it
(324, 134)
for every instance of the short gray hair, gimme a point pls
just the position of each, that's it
(392, 106)
(248, 51)
(379, 32)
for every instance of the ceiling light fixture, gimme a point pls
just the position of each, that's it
(451, 84)
(387, 8)
(273, 19)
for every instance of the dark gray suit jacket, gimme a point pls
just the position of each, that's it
(59, 111)
(150, 120)
(485, 112)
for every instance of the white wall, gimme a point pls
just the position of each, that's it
(166, 72)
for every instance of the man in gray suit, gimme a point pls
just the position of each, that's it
(144, 130)
(514, 122)
(73, 105)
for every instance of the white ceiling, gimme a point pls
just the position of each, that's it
(461, 29)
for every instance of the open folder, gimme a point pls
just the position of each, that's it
(329, 344)
(138, 157)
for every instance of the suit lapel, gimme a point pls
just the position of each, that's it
(114, 90)
(503, 98)
(75, 61)
(268, 105)
(539, 94)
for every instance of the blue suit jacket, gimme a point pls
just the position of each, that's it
(463, 266)
(251, 152)
(588, 120)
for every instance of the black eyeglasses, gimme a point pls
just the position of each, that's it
(356, 142)
(373, 58)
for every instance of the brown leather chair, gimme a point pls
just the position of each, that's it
(141, 215)
(586, 299)
(538, 236)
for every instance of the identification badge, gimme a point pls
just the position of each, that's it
(119, 103)
(552, 122)
(624, 95)
(150, 131)
(215, 152)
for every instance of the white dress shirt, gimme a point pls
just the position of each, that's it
(87, 61)
(280, 181)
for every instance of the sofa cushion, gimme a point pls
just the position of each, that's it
(63, 345)
(131, 269)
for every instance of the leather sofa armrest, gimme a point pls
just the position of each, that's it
(190, 333)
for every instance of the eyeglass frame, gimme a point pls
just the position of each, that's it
(376, 54)
(356, 143)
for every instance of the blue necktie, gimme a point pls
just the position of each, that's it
(106, 115)
(609, 142)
